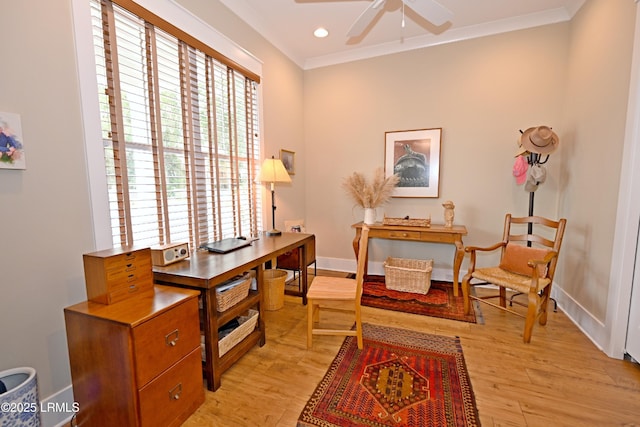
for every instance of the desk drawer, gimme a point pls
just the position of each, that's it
(165, 339)
(126, 291)
(440, 237)
(401, 234)
(170, 398)
(120, 272)
(128, 258)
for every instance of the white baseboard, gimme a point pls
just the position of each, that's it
(593, 328)
(56, 410)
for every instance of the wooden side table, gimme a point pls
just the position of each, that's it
(436, 233)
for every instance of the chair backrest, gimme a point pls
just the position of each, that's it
(537, 232)
(362, 258)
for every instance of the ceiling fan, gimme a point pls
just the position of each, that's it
(430, 10)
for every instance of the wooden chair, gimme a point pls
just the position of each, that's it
(337, 294)
(523, 267)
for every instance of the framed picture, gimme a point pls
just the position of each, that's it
(288, 160)
(414, 155)
(11, 145)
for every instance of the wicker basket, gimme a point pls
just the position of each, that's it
(408, 275)
(247, 325)
(231, 293)
(412, 222)
(274, 281)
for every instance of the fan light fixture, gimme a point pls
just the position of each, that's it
(430, 10)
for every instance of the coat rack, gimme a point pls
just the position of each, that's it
(533, 159)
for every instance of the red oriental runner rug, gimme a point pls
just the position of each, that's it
(400, 378)
(438, 302)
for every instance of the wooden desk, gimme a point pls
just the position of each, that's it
(204, 271)
(437, 233)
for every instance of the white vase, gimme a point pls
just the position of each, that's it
(369, 216)
(22, 393)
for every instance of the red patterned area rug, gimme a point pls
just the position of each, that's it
(400, 378)
(438, 302)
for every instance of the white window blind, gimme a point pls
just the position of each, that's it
(180, 131)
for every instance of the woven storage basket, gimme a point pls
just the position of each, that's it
(408, 275)
(247, 325)
(274, 289)
(227, 298)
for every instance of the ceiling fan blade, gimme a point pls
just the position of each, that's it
(365, 18)
(430, 10)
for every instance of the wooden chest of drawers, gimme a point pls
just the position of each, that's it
(137, 362)
(114, 275)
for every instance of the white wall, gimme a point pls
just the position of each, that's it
(595, 116)
(481, 92)
(45, 208)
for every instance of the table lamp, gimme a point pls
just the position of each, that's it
(273, 171)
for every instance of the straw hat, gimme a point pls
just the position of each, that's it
(540, 140)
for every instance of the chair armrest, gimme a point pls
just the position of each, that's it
(546, 260)
(473, 249)
(535, 271)
(484, 249)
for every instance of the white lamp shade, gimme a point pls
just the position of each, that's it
(273, 170)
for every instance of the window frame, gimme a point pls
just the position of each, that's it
(174, 15)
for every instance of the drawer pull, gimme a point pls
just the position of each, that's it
(131, 278)
(405, 235)
(174, 393)
(133, 288)
(171, 339)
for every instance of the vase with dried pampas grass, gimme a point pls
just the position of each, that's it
(370, 194)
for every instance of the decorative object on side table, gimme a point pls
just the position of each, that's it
(370, 195)
(448, 213)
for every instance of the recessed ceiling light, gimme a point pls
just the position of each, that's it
(321, 32)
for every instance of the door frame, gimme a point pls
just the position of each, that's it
(623, 257)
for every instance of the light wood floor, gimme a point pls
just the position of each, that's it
(559, 379)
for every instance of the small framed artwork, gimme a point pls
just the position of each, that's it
(288, 160)
(414, 155)
(11, 146)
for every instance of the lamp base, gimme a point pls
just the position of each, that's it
(273, 232)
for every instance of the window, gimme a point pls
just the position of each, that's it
(180, 131)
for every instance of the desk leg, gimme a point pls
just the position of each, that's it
(260, 281)
(303, 271)
(210, 331)
(457, 262)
